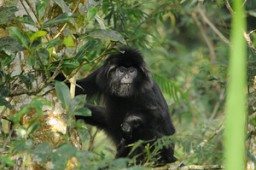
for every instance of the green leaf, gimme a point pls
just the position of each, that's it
(69, 41)
(69, 64)
(21, 146)
(33, 126)
(42, 151)
(38, 104)
(53, 43)
(63, 94)
(28, 20)
(5, 59)
(41, 7)
(63, 6)
(63, 18)
(6, 160)
(27, 79)
(4, 91)
(120, 163)
(10, 44)
(7, 14)
(77, 106)
(36, 35)
(92, 11)
(60, 157)
(135, 146)
(17, 34)
(108, 35)
(81, 54)
(44, 56)
(83, 111)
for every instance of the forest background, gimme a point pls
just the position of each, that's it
(186, 45)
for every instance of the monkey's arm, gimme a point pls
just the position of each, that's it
(86, 85)
(98, 117)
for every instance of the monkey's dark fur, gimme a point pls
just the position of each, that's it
(135, 108)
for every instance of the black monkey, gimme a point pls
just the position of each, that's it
(135, 108)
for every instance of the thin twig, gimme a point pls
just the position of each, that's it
(8, 138)
(252, 31)
(92, 139)
(38, 90)
(23, 5)
(65, 25)
(244, 2)
(61, 30)
(229, 7)
(207, 21)
(33, 11)
(99, 58)
(217, 105)
(205, 37)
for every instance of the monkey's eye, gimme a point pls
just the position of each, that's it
(132, 70)
(121, 70)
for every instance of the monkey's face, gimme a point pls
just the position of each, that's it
(122, 81)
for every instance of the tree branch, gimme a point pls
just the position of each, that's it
(208, 22)
(205, 37)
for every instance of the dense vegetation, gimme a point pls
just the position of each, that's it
(186, 45)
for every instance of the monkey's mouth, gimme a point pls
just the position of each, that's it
(125, 89)
(126, 84)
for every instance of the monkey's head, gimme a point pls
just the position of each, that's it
(125, 74)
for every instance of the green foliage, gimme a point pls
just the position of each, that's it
(18, 35)
(63, 94)
(74, 106)
(108, 35)
(41, 7)
(182, 46)
(62, 18)
(8, 12)
(5, 160)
